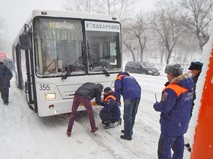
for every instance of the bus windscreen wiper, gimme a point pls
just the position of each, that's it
(50, 65)
(92, 60)
(70, 68)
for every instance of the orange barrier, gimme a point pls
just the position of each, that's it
(203, 139)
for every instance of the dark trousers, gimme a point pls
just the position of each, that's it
(130, 111)
(166, 143)
(106, 117)
(87, 103)
(5, 94)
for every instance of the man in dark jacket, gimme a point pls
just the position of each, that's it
(110, 114)
(5, 77)
(84, 95)
(175, 107)
(195, 68)
(129, 88)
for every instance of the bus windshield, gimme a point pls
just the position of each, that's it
(59, 47)
(103, 46)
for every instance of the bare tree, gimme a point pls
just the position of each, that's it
(130, 46)
(120, 8)
(83, 5)
(124, 8)
(110, 6)
(136, 30)
(128, 39)
(196, 18)
(166, 24)
(139, 31)
(187, 49)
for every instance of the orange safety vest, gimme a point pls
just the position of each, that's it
(110, 96)
(119, 77)
(178, 89)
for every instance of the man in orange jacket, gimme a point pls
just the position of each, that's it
(110, 114)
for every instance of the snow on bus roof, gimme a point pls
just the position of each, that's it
(70, 14)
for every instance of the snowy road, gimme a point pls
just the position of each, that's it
(23, 135)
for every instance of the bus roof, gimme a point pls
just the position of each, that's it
(69, 14)
(66, 14)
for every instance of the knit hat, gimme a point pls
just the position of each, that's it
(196, 66)
(175, 70)
(107, 89)
(100, 86)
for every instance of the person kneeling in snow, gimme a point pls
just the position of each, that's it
(110, 114)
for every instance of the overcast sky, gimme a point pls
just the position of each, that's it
(16, 12)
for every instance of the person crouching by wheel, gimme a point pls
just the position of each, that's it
(84, 95)
(110, 114)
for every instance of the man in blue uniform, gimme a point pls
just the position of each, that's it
(128, 87)
(110, 114)
(175, 107)
(195, 68)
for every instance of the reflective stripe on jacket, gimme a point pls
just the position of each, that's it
(128, 87)
(110, 96)
(178, 89)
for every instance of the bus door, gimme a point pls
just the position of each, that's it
(28, 70)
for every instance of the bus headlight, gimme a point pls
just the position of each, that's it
(50, 96)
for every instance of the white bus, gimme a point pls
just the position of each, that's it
(83, 47)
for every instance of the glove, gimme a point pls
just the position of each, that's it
(102, 103)
(156, 106)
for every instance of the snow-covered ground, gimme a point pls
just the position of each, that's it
(23, 135)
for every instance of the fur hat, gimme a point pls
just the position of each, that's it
(175, 70)
(196, 66)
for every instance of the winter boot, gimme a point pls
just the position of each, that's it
(94, 129)
(188, 147)
(118, 122)
(125, 137)
(68, 134)
(110, 125)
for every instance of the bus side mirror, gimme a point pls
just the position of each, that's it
(25, 41)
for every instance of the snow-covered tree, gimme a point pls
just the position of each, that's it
(196, 17)
(120, 8)
(166, 24)
(135, 30)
